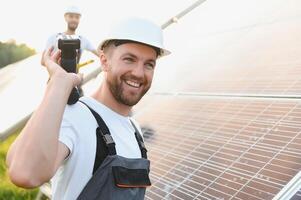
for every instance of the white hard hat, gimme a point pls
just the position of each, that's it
(72, 9)
(138, 30)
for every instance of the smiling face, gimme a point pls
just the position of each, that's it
(129, 71)
(72, 20)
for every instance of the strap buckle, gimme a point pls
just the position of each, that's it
(108, 139)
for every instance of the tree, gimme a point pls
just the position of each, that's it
(10, 52)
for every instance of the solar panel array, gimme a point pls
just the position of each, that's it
(204, 148)
(261, 58)
(205, 145)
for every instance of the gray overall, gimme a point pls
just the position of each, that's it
(116, 177)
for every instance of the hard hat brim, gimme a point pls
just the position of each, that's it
(164, 52)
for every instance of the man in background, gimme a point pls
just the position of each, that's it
(72, 17)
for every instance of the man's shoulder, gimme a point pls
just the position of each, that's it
(54, 35)
(75, 113)
(52, 40)
(80, 108)
(82, 37)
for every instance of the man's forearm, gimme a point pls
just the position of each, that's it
(34, 152)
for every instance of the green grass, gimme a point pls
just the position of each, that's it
(8, 191)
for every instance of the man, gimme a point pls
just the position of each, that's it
(59, 141)
(72, 17)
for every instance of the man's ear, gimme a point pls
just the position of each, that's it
(104, 61)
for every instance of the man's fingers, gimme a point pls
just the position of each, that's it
(46, 55)
(42, 58)
(56, 56)
(50, 50)
(51, 60)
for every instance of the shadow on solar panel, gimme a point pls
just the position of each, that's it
(148, 132)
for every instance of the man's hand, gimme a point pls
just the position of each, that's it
(51, 61)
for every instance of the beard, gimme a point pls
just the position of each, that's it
(117, 90)
(72, 26)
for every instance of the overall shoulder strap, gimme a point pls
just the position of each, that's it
(104, 139)
(140, 141)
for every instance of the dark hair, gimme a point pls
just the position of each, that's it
(116, 43)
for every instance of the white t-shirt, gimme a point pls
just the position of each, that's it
(85, 44)
(78, 134)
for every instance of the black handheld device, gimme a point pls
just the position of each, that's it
(69, 47)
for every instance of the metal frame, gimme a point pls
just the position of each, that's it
(290, 189)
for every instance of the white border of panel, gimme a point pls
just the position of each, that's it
(290, 189)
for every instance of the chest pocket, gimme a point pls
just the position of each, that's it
(116, 177)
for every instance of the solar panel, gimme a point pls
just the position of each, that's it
(227, 148)
(209, 133)
(238, 148)
(262, 57)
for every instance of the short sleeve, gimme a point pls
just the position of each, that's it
(51, 42)
(67, 135)
(87, 45)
